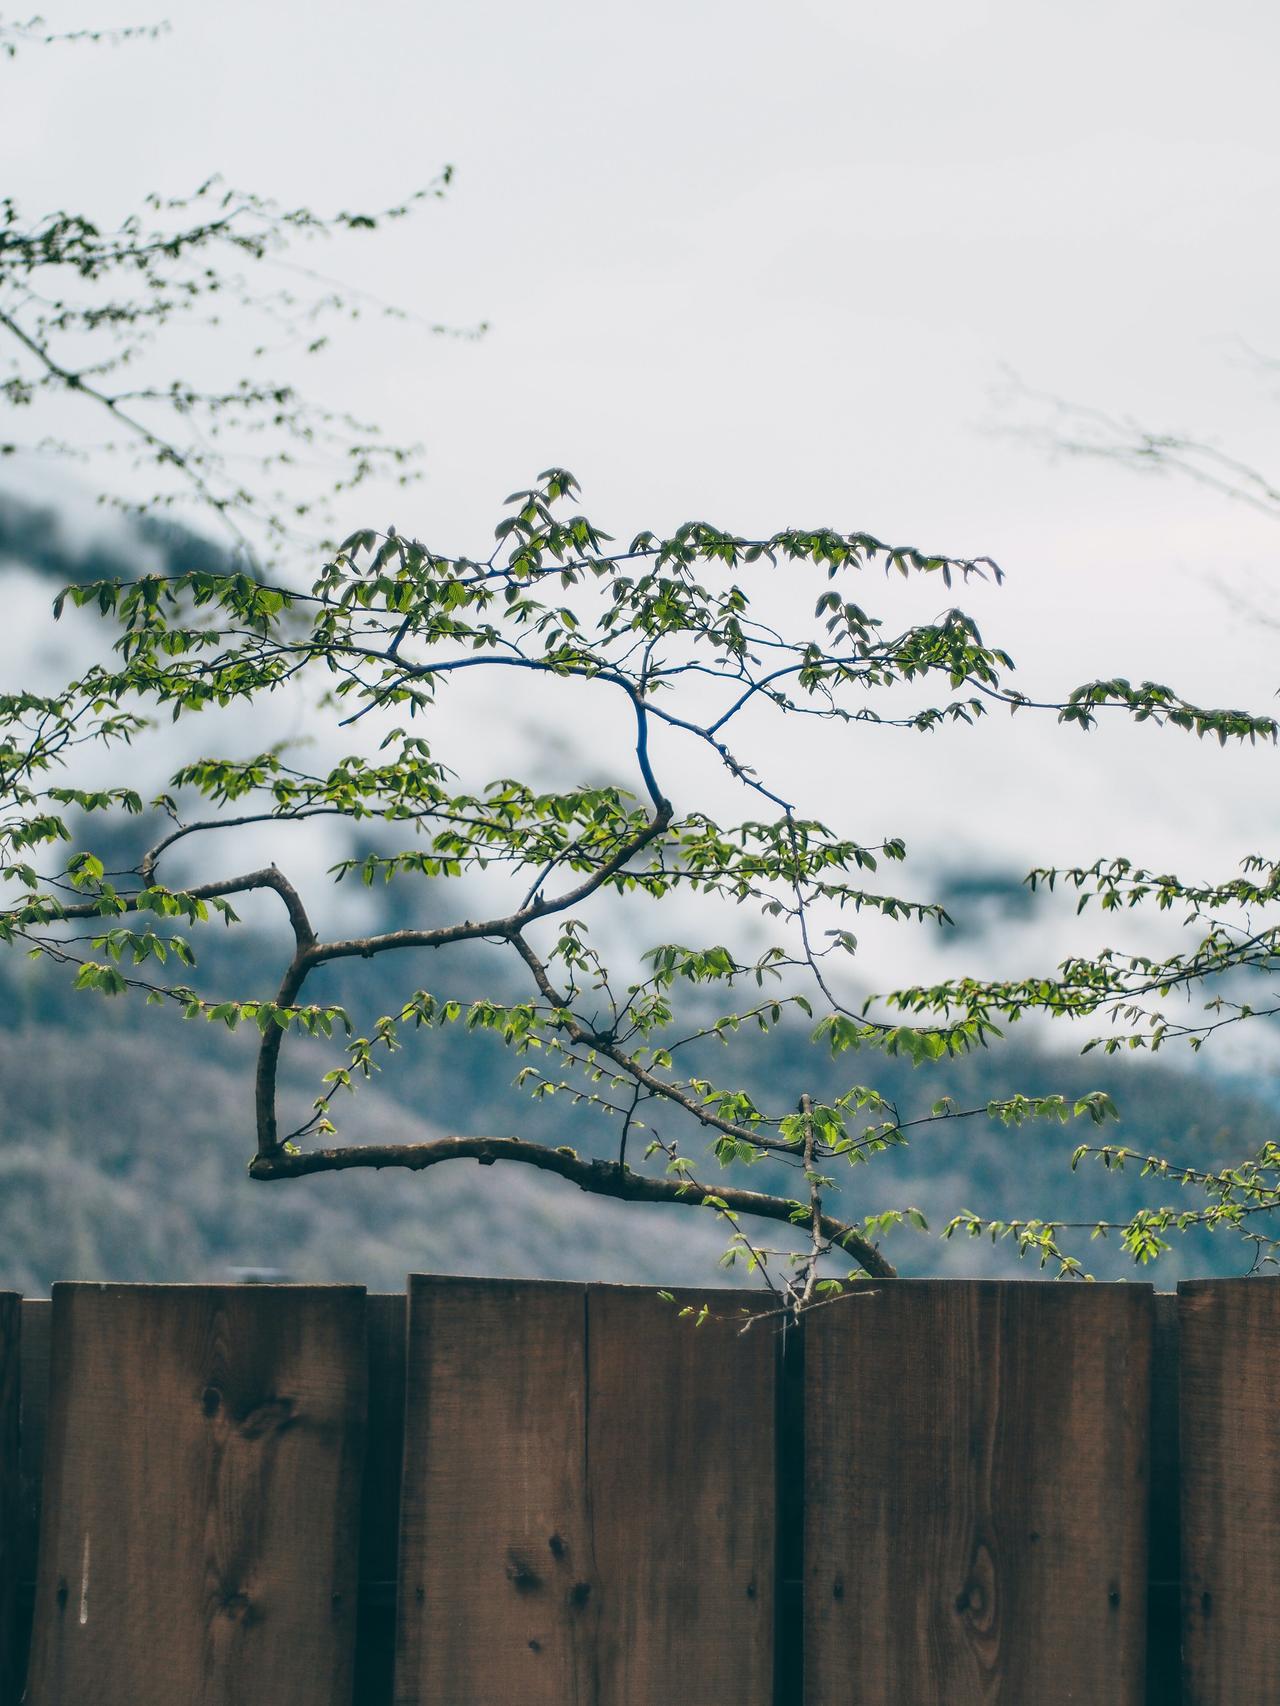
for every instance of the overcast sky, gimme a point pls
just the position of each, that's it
(769, 265)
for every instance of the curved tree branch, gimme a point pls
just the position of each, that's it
(634, 1068)
(312, 953)
(270, 877)
(472, 931)
(603, 1178)
(146, 870)
(295, 976)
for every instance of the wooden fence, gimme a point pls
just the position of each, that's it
(493, 1493)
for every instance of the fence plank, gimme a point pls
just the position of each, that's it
(587, 1515)
(201, 1499)
(681, 1493)
(10, 1495)
(976, 1524)
(1230, 1427)
(36, 1313)
(1164, 1550)
(494, 1534)
(380, 1504)
(788, 1611)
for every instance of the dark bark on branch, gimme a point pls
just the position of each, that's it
(311, 953)
(295, 976)
(268, 878)
(604, 1178)
(505, 927)
(147, 869)
(655, 1085)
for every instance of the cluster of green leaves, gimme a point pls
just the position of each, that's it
(666, 633)
(1155, 703)
(1238, 1199)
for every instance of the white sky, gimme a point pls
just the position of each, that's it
(766, 265)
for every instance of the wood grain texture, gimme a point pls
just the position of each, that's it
(200, 1517)
(1164, 1550)
(680, 1475)
(976, 1513)
(1229, 1334)
(380, 1505)
(788, 1594)
(497, 1585)
(11, 1560)
(587, 1515)
(36, 1322)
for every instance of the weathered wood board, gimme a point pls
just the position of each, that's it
(36, 1323)
(680, 1481)
(34, 1407)
(1164, 1551)
(11, 1533)
(587, 1515)
(1230, 1437)
(380, 1507)
(976, 1510)
(201, 1506)
(494, 1529)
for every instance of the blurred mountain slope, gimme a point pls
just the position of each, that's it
(124, 1134)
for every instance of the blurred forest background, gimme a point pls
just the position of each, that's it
(126, 1133)
(769, 266)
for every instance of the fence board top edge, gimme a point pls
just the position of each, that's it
(1050, 1287)
(749, 1296)
(493, 1279)
(637, 1286)
(1233, 1282)
(135, 1286)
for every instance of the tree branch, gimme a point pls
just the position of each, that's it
(507, 927)
(603, 1178)
(633, 1068)
(268, 878)
(295, 976)
(163, 451)
(150, 858)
